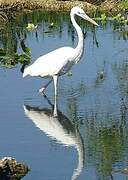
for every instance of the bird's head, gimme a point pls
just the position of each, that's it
(80, 12)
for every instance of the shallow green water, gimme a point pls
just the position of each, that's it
(88, 140)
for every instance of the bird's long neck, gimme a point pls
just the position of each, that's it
(80, 45)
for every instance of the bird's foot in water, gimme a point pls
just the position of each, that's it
(41, 90)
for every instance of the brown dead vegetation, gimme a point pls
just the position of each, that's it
(58, 5)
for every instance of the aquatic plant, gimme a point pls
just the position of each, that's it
(31, 27)
(10, 60)
(103, 17)
(119, 19)
(124, 4)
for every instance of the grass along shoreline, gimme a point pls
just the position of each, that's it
(110, 6)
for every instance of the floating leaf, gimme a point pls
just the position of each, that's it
(31, 27)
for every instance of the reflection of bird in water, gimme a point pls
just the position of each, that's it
(60, 61)
(58, 128)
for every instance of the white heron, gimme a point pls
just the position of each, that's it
(59, 61)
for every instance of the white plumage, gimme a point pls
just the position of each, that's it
(59, 61)
(51, 64)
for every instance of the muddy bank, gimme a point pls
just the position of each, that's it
(54, 5)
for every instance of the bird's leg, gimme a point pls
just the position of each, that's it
(55, 79)
(41, 90)
(49, 102)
